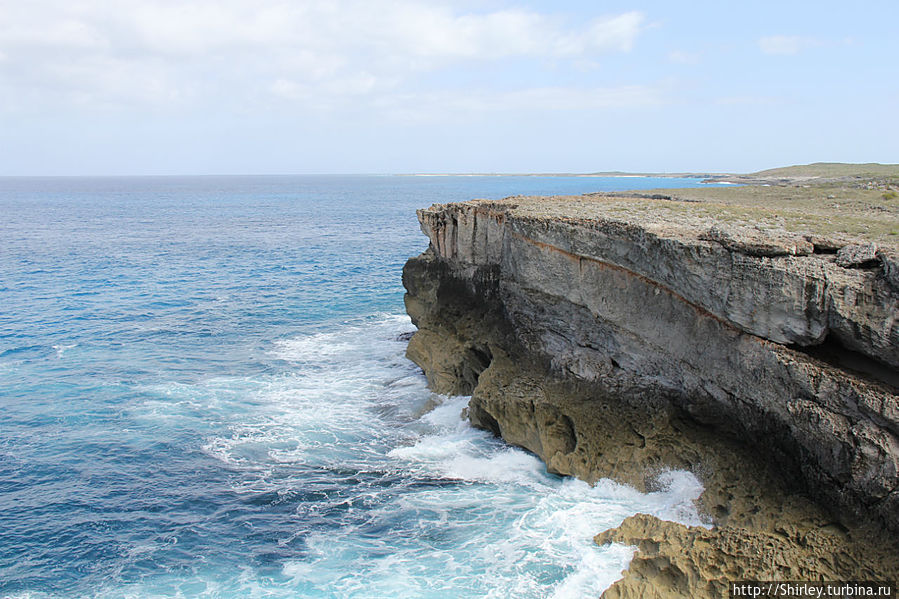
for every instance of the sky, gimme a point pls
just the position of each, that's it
(145, 87)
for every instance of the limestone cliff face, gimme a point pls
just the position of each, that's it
(554, 312)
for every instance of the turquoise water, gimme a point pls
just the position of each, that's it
(203, 393)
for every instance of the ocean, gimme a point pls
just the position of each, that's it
(203, 393)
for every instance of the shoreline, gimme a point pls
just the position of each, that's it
(531, 306)
(609, 175)
(817, 173)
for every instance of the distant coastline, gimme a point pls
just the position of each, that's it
(819, 172)
(610, 174)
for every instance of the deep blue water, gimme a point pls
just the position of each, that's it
(203, 393)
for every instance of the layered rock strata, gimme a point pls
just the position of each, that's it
(623, 336)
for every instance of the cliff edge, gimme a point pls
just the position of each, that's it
(750, 335)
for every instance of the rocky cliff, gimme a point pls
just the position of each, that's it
(622, 335)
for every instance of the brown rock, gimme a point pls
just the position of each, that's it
(613, 342)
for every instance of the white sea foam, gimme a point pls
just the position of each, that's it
(62, 349)
(328, 407)
(514, 529)
(556, 519)
(464, 516)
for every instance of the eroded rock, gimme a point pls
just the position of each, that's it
(674, 560)
(857, 255)
(754, 242)
(614, 343)
(889, 258)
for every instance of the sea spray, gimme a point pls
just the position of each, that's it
(468, 515)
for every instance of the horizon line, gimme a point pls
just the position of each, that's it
(686, 174)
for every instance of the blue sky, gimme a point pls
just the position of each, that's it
(343, 86)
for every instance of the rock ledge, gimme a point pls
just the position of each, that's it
(619, 337)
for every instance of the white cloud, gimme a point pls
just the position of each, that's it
(561, 98)
(169, 52)
(540, 100)
(785, 45)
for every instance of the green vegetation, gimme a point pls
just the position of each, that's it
(839, 211)
(831, 201)
(827, 209)
(832, 170)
